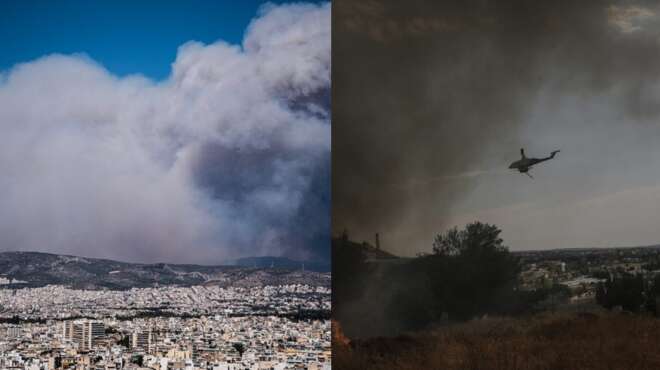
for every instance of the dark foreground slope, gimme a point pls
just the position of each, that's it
(546, 341)
(33, 269)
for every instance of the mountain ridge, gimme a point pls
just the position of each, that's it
(35, 269)
(282, 262)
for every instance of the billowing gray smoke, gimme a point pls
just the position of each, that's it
(228, 157)
(430, 95)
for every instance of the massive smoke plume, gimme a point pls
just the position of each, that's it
(432, 99)
(228, 157)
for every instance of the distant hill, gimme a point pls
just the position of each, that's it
(282, 263)
(34, 269)
(367, 250)
(586, 249)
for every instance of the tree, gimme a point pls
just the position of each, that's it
(601, 295)
(240, 348)
(138, 360)
(653, 293)
(124, 341)
(348, 270)
(626, 291)
(471, 271)
(477, 237)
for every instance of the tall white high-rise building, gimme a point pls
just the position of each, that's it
(145, 340)
(14, 332)
(86, 333)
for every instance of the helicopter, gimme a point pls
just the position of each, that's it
(524, 164)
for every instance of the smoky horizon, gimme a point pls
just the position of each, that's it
(433, 101)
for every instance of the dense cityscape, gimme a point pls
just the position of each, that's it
(579, 273)
(198, 327)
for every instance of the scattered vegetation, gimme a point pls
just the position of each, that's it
(470, 273)
(138, 360)
(240, 348)
(125, 341)
(461, 307)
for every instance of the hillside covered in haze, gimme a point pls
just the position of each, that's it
(34, 269)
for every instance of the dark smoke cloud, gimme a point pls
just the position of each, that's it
(426, 95)
(228, 157)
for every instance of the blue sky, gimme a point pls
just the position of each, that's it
(126, 37)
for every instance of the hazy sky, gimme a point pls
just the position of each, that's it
(439, 98)
(227, 156)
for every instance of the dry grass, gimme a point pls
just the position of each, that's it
(548, 341)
